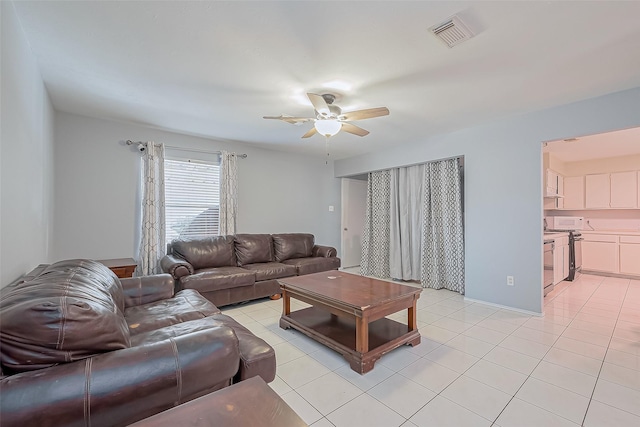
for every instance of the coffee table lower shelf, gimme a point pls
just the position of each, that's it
(339, 334)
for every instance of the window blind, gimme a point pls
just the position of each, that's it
(192, 198)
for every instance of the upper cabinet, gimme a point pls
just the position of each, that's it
(618, 190)
(574, 192)
(598, 191)
(554, 187)
(553, 184)
(624, 189)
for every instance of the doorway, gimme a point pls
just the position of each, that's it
(354, 208)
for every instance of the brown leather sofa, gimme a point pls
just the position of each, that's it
(231, 269)
(81, 347)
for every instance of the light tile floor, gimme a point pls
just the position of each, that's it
(477, 365)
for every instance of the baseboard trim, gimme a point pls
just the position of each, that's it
(606, 274)
(504, 307)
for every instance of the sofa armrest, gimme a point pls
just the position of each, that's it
(323, 251)
(176, 266)
(146, 289)
(123, 386)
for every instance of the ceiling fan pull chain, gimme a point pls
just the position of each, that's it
(326, 148)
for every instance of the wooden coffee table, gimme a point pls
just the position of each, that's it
(348, 314)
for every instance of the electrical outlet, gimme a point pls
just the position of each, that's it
(510, 281)
(330, 208)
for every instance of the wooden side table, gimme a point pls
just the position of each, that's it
(122, 267)
(248, 403)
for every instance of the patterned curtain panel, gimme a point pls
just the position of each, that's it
(152, 245)
(406, 222)
(228, 193)
(375, 236)
(443, 244)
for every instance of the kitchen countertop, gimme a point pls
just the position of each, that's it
(555, 234)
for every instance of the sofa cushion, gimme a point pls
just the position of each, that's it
(173, 331)
(213, 279)
(65, 314)
(271, 270)
(256, 356)
(186, 305)
(313, 265)
(207, 252)
(253, 248)
(292, 245)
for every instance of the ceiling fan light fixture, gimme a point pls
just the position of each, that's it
(328, 127)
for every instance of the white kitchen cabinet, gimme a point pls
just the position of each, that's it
(598, 191)
(611, 253)
(574, 192)
(560, 200)
(560, 259)
(551, 182)
(630, 255)
(554, 185)
(624, 190)
(600, 252)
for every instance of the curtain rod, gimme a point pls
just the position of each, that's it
(193, 150)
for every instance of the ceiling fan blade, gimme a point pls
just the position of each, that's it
(289, 119)
(365, 114)
(311, 132)
(319, 104)
(348, 127)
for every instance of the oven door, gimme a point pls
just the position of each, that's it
(577, 247)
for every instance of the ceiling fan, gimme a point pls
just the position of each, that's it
(330, 119)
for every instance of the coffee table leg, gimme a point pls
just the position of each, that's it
(286, 303)
(412, 320)
(362, 335)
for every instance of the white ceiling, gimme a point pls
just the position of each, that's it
(624, 142)
(214, 69)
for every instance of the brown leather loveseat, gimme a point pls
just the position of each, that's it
(231, 269)
(81, 347)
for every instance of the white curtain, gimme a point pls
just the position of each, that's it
(375, 236)
(152, 245)
(443, 244)
(228, 193)
(406, 222)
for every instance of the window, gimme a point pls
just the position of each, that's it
(192, 198)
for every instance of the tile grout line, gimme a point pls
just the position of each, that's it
(572, 321)
(528, 376)
(605, 354)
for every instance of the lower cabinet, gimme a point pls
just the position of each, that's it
(599, 256)
(630, 255)
(560, 259)
(611, 253)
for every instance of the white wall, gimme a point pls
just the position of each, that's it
(503, 188)
(97, 181)
(604, 165)
(25, 155)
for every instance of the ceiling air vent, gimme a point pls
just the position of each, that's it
(452, 32)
